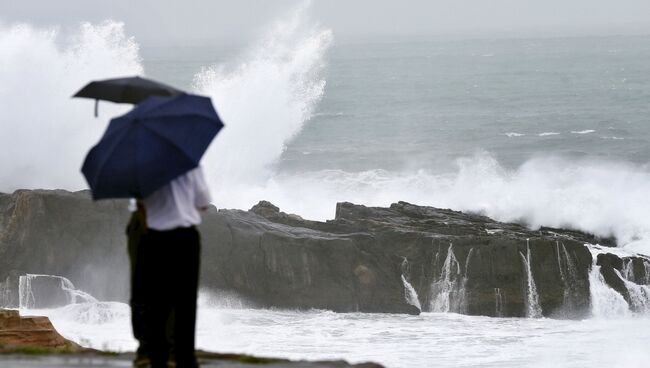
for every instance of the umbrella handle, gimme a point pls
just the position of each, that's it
(96, 105)
(142, 215)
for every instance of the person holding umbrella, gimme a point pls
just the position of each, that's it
(152, 153)
(166, 271)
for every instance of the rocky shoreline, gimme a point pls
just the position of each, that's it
(400, 259)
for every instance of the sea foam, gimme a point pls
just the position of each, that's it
(264, 101)
(45, 134)
(603, 198)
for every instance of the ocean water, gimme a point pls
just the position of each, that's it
(549, 132)
(545, 131)
(428, 340)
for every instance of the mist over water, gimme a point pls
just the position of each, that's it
(309, 124)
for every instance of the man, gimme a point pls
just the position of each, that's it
(164, 248)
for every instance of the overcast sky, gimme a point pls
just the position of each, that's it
(205, 21)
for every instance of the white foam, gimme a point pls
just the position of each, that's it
(357, 337)
(597, 249)
(94, 313)
(604, 198)
(45, 133)
(586, 131)
(264, 101)
(605, 301)
(546, 134)
(513, 134)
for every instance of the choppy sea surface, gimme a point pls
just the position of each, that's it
(428, 340)
(396, 105)
(543, 131)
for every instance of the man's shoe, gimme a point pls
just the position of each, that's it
(142, 363)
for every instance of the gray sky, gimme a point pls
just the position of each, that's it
(207, 21)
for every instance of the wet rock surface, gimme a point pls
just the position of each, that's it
(19, 332)
(400, 259)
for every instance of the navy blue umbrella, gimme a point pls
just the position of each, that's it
(159, 140)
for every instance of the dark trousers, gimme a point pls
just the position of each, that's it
(164, 283)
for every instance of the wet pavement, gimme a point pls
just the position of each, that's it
(111, 361)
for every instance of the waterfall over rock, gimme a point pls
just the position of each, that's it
(533, 309)
(619, 284)
(570, 278)
(448, 289)
(6, 294)
(605, 301)
(409, 292)
(639, 291)
(46, 291)
(498, 302)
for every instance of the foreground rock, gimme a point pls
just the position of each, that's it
(401, 259)
(18, 333)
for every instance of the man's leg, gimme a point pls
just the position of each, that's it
(135, 232)
(155, 255)
(187, 265)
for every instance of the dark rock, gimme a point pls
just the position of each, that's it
(609, 260)
(485, 259)
(455, 261)
(56, 232)
(637, 270)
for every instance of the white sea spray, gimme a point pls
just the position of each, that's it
(45, 133)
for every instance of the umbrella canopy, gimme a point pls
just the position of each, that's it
(125, 90)
(141, 151)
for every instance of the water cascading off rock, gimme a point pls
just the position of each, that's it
(48, 291)
(457, 262)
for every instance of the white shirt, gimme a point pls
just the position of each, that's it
(177, 203)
